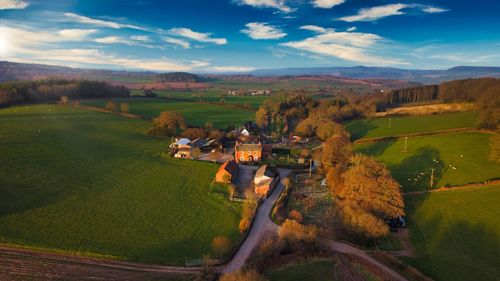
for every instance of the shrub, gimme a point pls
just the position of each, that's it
(250, 275)
(295, 215)
(244, 224)
(111, 106)
(220, 245)
(124, 107)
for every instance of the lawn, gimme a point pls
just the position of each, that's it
(379, 127)
(457, 159)
(456, 234)
(94, 183)
(196, 114)
(318, 270)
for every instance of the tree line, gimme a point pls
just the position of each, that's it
(20, 92)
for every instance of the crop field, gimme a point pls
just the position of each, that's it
(196, 114)
(393, 126)
(456, 234)
(457, 159)
(94, 184)
(318, 270)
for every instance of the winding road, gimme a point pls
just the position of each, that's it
(51, 266)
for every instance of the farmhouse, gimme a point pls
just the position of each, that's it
(265, 179)
(227, 172)
(182, 148)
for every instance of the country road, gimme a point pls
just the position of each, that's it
(36, 265)
(261, 226)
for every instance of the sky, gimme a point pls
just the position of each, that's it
(231, 36)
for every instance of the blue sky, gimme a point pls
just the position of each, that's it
(241, 35)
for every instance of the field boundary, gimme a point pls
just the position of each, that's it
(429, 133)
(457, 187)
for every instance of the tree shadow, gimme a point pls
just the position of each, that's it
(448, 249)
(360, 128)
(414, 173)
(377, 148)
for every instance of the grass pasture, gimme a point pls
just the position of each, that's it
(94, 183)
(456, 234)
(379, 127)
(196, 114)
(317, 270)
(457, 159)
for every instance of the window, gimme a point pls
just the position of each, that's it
(256, 158)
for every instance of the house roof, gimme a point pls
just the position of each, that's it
(267, 170)
(183, 141)
(229, 166)
(249, 146)
(198, 142)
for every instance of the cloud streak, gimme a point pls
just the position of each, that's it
(326, 4)
(99, 22)
(262, 31)
(379, 12)
(13, 4)
(348, 46)
(276, 4)
(197, 36)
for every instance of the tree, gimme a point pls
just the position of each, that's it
(168, 124)
(337, 151)
(209, 126)
(196, 152)
(194, 133)
(261, 118)
(124, 107)
(111, 106)
(244, 224)
(64, 99)
(296, 234)
(220, 245)
(296, 215)
(250, 275)
(367, 196)
(286, 182)
(231, 189)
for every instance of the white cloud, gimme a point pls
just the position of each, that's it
(276, 4)
(76, 34)
(261, 30)
(197, 36)
(434, 10)
(352, 28)
(375, 13)
(326, 4)
(13, 4)
(142, 38)
(315, 28)
(98, 22)
(349, 46)
(231, 68)
(122, 40)
(177, 41)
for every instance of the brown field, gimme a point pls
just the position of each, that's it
(427, 109)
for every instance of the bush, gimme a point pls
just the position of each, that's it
(295, 215)
(124, 107)
(244, 224)
(111, 106)
(220, 245)
(250, 275)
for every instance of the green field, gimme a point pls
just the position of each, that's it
(456, 234)
(467, 153)
(379, 127)
(208, 96)
(94, 183)
(318, 270)
(196, 114)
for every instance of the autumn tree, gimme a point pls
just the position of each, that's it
(337, 151)
(64, 99)
(193, 133)
(298, 235)
(196, 152)
(168, 124)
(261, 118)
(367, 196)
(124, 107)
(111, 106)
(250, 275)
(220, 245)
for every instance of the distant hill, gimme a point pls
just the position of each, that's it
(180, 77)
(364, 72)
(24, 71)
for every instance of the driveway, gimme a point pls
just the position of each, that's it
(261, 228)
(244, 178)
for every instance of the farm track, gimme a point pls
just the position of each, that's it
(439, 132)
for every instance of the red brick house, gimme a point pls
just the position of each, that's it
(227, 172)
(247, 152)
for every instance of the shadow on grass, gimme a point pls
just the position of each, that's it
(360, 128)
(450, 249)
(414, 173)
(377, 148)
